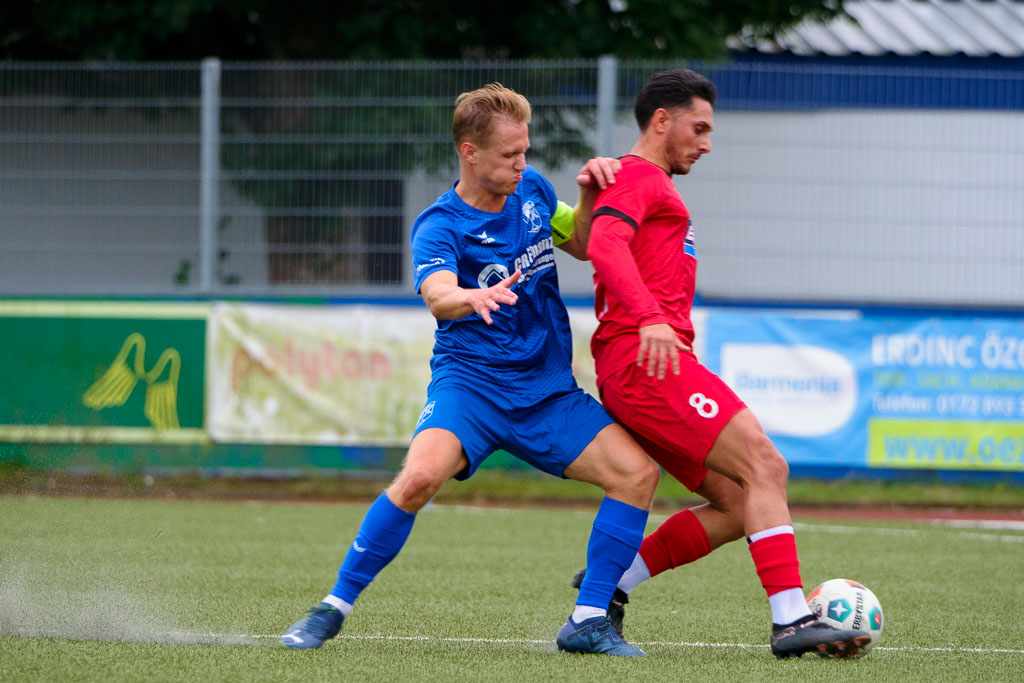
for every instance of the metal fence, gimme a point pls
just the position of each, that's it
(828, 183)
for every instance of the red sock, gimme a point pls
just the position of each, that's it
(776, 563)
(679, 540)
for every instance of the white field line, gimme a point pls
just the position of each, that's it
(656, 643)
(885, 531)
(1001, 524)
(187, 637)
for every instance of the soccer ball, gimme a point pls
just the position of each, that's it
(850, 605)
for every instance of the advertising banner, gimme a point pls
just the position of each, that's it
(839, 389)
(331, 374)
(99, 372)
(317, 374)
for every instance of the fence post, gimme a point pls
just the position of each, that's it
(607, 68)
(209, 173)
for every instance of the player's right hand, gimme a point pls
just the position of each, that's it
(485, 301)
(599, 172)
(660, 347)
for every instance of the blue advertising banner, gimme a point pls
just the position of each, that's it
(841, 389)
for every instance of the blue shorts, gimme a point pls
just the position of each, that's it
(549, 433)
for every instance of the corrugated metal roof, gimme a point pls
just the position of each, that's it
(976, 28)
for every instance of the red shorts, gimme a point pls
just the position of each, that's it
(676, 419)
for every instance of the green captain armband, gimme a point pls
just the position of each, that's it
(563, 225)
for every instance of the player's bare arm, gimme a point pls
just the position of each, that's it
(595, 175)
(660, 347)
(448, 301)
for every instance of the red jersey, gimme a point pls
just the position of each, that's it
(645, 264)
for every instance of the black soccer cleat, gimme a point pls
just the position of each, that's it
(811, 635)
(617, 606)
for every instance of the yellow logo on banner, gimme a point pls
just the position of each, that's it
(118, 382)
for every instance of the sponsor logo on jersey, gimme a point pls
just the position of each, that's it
(536, 258)
(689, 246)
(432, 262)
(484, 239)
(491, 275)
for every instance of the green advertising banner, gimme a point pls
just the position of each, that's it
(102, 372)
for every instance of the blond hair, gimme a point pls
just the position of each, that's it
(476, 110)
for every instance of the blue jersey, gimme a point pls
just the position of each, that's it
(528, 349)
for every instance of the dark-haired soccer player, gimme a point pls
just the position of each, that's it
(682, 414)
(501, 372)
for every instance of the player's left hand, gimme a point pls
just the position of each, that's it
(660, 347)
(599, 172)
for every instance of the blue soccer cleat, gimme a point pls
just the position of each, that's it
(617, 605)
(594, 636)
(320, 623)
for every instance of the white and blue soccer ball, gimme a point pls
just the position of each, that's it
(850, 605)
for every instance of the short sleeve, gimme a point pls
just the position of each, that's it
(433, 249)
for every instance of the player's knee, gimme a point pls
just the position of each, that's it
(648, 475)
(643, 478)
(767, 463)
(413, 488)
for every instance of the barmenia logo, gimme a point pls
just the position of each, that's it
(794, 390)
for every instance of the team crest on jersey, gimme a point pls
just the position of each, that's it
(531, 216)
(688, 245)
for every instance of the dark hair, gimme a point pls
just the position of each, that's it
(669, 90)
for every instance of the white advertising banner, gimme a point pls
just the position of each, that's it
(331, 374)
(317, 374)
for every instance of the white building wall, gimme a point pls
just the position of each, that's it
(87, 212)
(860, 207)
(854, 207)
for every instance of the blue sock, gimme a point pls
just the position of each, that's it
(616, 537)
(382, 534)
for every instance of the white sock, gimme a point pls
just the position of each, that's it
(635, 575)
(583, 612)
(774, 531)
(344, 607)
(788, 606)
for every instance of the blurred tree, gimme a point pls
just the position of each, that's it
(388, 29)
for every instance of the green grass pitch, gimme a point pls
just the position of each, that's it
(119, 590)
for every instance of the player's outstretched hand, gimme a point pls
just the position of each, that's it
(485, 301)
(599, 171)
(660, 347)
